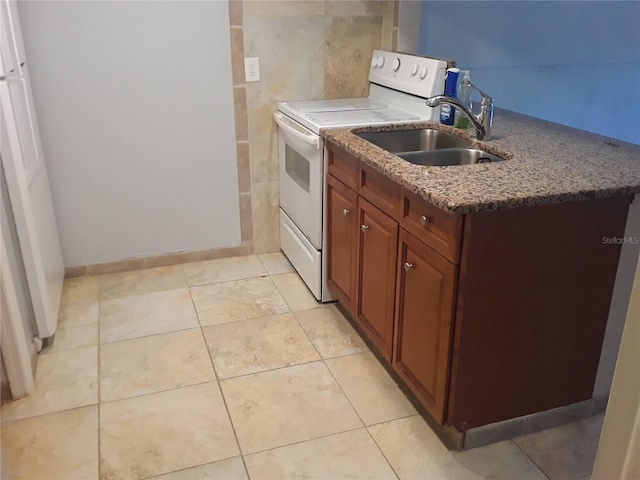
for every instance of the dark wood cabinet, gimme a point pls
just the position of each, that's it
(534, 292)
(377, 249)
(486, 316)
(342, 235)
(424, 321)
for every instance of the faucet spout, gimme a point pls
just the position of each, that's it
(481, 122)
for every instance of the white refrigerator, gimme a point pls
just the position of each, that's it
(26, 177)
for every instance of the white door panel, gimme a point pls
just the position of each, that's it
(35, 222)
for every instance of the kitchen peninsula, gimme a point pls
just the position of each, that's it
(485, 288)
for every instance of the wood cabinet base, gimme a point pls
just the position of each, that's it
(484, 317)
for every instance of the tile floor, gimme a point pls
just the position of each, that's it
(229, 369)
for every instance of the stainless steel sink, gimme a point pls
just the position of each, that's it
(449, 157)
(413, 140)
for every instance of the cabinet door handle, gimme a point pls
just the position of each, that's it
(408, 266)
(364, 228)
(346, 212)
(424, 220)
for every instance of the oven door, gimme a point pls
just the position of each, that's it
(301, 176)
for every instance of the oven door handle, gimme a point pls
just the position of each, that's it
(287, 125)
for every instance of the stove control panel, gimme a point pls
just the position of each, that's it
(412, 74)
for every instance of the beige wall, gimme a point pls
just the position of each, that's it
(618, 454)
(307, 50)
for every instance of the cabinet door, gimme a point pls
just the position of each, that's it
(424, 313)
(342, 241)
(377, 250)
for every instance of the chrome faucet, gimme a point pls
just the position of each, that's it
(481, 122)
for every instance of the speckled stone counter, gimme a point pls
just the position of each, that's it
(546, 163)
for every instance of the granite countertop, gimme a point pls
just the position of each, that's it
(546, 163)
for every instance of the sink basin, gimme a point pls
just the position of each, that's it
(412, 140)
(449, 157)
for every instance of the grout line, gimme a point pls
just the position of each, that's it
(306, 334)
(77, 407)
(246, 319)
(270, 370)
(164, 390)
(398, 418)
(152, 292)
(229, 280)
(365, 426)
(382, 451)
(324, 361)
(344, 393)
(224, 400)
(157, 334)
(530, 459)
(172, 472)
(306, 441)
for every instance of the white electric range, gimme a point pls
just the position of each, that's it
(399, 86)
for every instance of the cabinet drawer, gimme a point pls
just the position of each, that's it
(381, 191)
(344, 167)
(435, 227)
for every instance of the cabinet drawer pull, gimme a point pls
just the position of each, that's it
(424, 220)
(364, 228)
(408, 266)
(346, 212)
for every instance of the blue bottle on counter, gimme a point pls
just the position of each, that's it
(447, 112)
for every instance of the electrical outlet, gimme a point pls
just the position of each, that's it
(251, 69)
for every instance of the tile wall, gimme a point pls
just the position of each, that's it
(308, 49)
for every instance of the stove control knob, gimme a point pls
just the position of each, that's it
(413, 69)
(380, 62)
(396, 65)
(423, 73)
(374, 62)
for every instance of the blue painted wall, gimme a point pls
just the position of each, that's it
(573, 62)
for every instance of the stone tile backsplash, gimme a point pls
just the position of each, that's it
(308, 49)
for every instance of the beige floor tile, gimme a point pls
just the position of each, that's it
(295, 292)
(74, 314)
(80, 290)
(275, 263)
(136, 282)
(349, 456)
(61, 445)
(152, 364)
(565, 452)
(500, 461)
(330, 332)
(223, 270)
(230, 469)
(293, 404)
(164, 432)
(147, 314)
(414, 452)
(64, 380)
(76, 336)
(238, 300)
(372, 392)
(258, 344)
